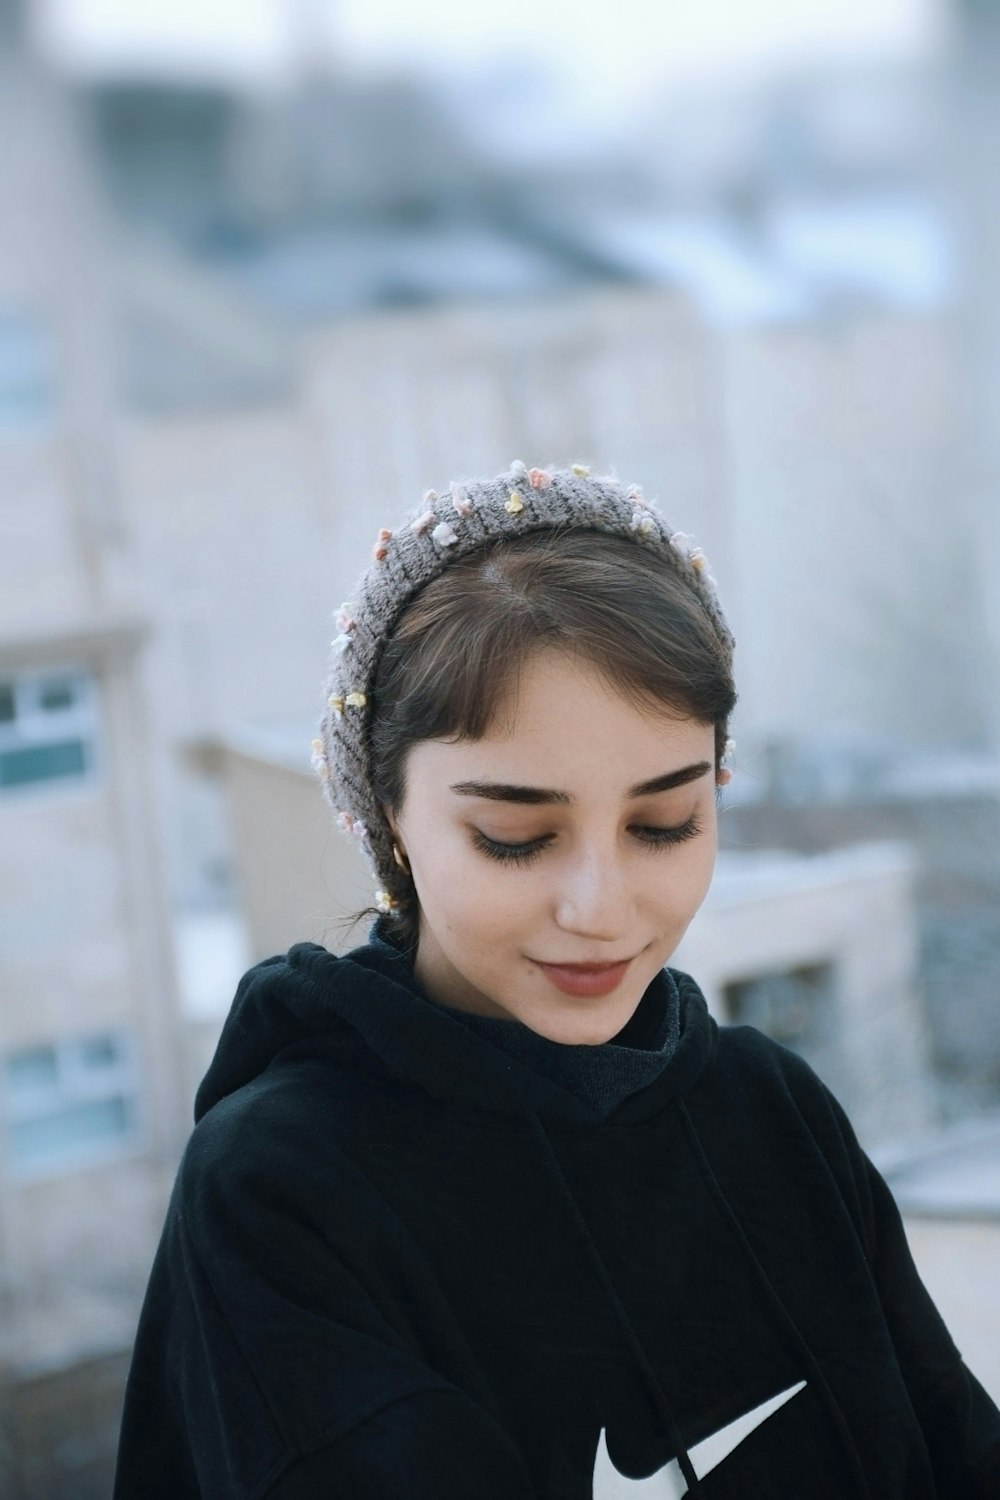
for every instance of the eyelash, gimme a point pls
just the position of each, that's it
(522, 854)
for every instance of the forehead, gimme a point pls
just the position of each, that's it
(565, 726)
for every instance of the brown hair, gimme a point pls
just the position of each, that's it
(458, 647)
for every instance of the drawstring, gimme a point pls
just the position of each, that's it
(659, 1395)
(817, 1374)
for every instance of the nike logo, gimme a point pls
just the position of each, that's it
(669, 1483)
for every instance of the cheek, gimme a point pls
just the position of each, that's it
(703, 867)
(482, 902)
(461, 893)
(682, 883)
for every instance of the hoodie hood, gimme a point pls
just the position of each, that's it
(366, 1003)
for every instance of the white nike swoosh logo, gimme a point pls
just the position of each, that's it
(669, 1483)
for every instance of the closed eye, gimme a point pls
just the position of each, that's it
(521, 854)
(675, 835)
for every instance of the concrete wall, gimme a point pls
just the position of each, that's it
(852, 909)
(299, 875)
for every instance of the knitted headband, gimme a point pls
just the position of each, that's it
(443, 529)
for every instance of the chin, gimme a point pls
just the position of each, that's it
(586, 1030)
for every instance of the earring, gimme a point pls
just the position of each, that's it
(400, 860)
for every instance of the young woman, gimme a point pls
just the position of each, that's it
(490, 1208)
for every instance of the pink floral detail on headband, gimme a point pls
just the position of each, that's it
(344, 619)
(460, 500)
(380, 549)
(345, 821)
(634, 493)
(420, 525)
(540, 479)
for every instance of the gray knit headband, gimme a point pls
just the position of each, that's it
(443, 529)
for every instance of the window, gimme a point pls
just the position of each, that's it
(794, 1006)
(26, 373)
(70, 1102)
(48, 727)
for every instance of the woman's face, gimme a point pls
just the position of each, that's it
(580, 831)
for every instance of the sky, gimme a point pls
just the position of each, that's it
(608, 54)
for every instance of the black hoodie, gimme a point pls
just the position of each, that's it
(401, 1264)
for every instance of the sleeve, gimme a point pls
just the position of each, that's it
(960, 1423)
(274, 1363)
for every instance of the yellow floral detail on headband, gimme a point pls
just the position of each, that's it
(356, 700)
(337, 704)
(515, 504)
(580, 470)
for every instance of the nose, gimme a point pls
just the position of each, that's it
(592, 896)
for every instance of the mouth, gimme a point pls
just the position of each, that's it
(585, 979)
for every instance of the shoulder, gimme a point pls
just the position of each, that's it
(266, 1130)
(276, 1164)
(767, 1086)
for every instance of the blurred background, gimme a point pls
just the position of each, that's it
(271, 268)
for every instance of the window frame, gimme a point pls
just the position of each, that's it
(29, 396)
(75, 1084)
(36, 727)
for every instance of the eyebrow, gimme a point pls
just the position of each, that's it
(501, 791)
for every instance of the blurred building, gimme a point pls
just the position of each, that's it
(91, 1109)
(811, 798)
(809, 409)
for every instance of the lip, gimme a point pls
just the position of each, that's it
(585, 979)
